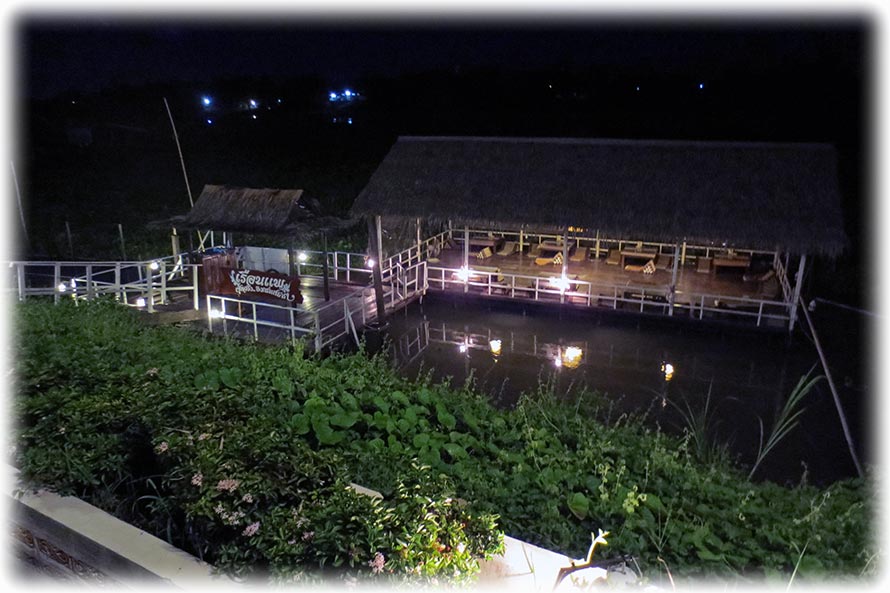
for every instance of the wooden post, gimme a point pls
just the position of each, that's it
(467, 257)
(174, 246)
(374, 232)
(798, 283)
(324, 267)
(419, 243)
(673, 288)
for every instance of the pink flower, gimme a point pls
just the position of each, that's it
(247, 498)
(308, 535)
(197, 479)
(229, 485)
(162, 448)
(377, 563)
(251, 529)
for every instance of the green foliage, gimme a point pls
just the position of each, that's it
(105, 405)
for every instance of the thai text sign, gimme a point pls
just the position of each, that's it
(269, 286)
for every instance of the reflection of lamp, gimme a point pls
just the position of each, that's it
(668, 370)
(571, 357)
(495, 346)
(463, 347)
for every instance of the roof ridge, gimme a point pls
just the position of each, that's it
(616, 141)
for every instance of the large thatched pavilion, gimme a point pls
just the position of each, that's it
(707, 229)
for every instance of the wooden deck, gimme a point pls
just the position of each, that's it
(717, 282)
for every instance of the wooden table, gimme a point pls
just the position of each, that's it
(479, 243)
(731, 261)
(547, 247)
(645, 254)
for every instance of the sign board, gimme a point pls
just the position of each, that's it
(266, 286)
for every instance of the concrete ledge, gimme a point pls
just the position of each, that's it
(87, 544)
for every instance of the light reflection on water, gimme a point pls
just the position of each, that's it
(748, 374)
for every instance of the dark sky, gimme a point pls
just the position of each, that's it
(57, 55)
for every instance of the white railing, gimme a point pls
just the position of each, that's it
(134, 283)
(325, 325)
(595, 294)
(342, 266)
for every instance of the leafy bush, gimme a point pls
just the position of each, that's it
(202, 439)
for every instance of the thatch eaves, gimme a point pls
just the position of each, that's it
(756, 195)
(241, 209)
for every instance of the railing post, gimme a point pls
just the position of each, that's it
(20, 279)
(151, 290)
(293, 333)
(57, 280)
(222, 301)
(209, 315)
(336, 267)
(256, 332)
(195, 285)
(91, 290)
(163, 282)
(117, 280)
(318, 340)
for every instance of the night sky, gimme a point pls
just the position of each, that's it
(59, 55)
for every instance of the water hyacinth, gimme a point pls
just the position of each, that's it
(228, 485)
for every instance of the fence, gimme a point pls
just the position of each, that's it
(138, 284)
(590, 294)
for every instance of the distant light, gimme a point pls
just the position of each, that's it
(348, 93)
(140, 302)
(549, 86)
(153, 265)
(349, 120)
(701, 85)
(370, 262)
(278, 101)
(63, 287)
(302, 256)
(332, 96)
(252, 104)
(495, 346)
(668, 370)
(74, 102)
(206, 101)
(253, 116)
(638, 88)
(209, 121)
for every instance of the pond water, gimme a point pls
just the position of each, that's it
(508, 350)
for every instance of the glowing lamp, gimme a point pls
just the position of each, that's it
(571, 357)
(253, 116)
(349, 120)
(463, 274)
(216, 313)
(140, 302)
(332, 96)
(209, 121)
(153, 265)
(463, 347)
(562, 283)
(63, 287)
(252, 104)
(370, 262)
(557, 362)
(668, 370)
(206, 101)
(495, 346)
(348, 93)
(302, 256)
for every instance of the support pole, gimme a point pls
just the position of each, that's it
(798, 283)
(521, 239)
(18, 196)
(467, 257)
(419, 243)
(70, 242)
(673, 288)
(837, 400)
(565, 252)
(596, 249)
(374, 233)
(324, 267)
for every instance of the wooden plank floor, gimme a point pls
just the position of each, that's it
(722, 283)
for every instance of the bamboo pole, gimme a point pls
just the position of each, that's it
(179, 149)
(18, 196)
(70, 242)
(837, 400)
(120, 232)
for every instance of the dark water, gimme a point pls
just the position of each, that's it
(749, 374)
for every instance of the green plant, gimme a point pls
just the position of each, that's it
(786, 420)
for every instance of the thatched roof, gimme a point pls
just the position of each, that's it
(754, 195)
(270, 211)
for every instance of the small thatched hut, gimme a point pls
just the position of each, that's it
(781, 197)
(242, 209)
